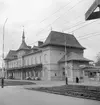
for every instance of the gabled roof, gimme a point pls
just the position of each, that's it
(58, 39)
(11, 55)
(74, 57)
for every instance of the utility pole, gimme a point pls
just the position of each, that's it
(2, 81)
(66, 60)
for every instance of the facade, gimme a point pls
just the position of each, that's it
(47, 60)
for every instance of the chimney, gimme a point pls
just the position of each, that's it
(40, 43)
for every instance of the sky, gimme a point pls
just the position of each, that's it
(39, 17)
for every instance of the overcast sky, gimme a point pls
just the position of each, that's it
(38, 16)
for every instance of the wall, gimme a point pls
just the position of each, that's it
(46, 63)
(76, 71)
(33, 59)
(56, 53)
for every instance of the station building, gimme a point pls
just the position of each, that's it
(47, 60)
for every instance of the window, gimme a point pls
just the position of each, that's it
(31, 60)
(35, 60)
(45, 58)
(63, 73)
(40, 59)
(55, 74)
(27, 61)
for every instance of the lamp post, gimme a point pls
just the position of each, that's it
(2, 81)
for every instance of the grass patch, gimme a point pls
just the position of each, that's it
(16, 83)
(86, 92)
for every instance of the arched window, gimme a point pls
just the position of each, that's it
(31, 60)
(40, 59)
(35, 60)
(45, 58)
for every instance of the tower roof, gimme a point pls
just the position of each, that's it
(23, 45)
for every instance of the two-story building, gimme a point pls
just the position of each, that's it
(47, 60)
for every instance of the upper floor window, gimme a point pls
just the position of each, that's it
(35, 60)
(45, 58)
(40, 59)
(29, 60)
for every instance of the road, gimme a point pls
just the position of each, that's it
(16, 95)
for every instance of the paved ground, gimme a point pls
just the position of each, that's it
(19, 96)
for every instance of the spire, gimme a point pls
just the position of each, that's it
(23, 35)
(23, 45)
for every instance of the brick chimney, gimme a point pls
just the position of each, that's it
(40, 43)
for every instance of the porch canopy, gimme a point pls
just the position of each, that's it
(26, 67)
(74, 57)
(91, 14)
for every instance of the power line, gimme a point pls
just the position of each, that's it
(68, 10)
(62, 15)
(79, 23)
(56, 11)
(54, 14)
(82, 26)
(90, 36)
(80, 37)
(73, 19)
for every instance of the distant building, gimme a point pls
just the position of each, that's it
(91, 73)
(47, 60)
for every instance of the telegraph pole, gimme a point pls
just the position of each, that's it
(2, 81)
(66, 75)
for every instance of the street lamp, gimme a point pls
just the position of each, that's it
(3, 54)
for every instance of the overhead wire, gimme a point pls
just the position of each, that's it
(90, 36)
(76, 24)
(57, 11)
(68, 10)
(76, 29)
(62, 15)
(54, 14)
(82, 26)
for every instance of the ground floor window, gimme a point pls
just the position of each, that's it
(92, 74)
(63, 73)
